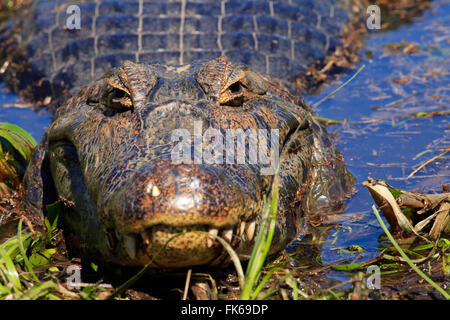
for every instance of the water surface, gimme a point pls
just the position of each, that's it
(387, 146)
(390, 146)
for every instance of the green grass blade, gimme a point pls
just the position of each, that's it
(262, 244)
(23, 253)
(264, 281)
(339, 88)
(38, 291)
(268, 294)
(11, 246)
(9, 270)
(21, 140)
(408, 261)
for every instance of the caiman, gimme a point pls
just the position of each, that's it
(128, 77)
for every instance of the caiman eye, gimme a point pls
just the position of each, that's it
(235, 95)
(228, 84)
(116, 97)
(235, 87)
(119, 100)
(246, 86)
(110, 95)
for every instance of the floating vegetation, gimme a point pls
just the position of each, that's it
(402, 47)
(407, 259)
(425, 114)
(412, 214)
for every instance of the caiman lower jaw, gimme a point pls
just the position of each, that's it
(177, 247)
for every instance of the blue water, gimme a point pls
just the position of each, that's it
(389, 148)
(386, 149)
(34, 120)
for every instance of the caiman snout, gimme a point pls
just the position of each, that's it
(161, 201)
(177, 195)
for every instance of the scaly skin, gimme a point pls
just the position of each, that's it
(278, 38)
(107, 153)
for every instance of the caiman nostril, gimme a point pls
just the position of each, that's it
(196, 195)
(153, 190)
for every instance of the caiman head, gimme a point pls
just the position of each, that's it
(135, 158)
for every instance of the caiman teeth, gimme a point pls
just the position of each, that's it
(146, 238)
(242, 228)
(250, 230)
(210, 241)
(130, 245)
(227, 235)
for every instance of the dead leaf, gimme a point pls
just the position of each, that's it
(433, 208)
(441, 222)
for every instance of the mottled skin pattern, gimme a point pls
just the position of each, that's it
(278, 38)
(110, 145)
(107, 152)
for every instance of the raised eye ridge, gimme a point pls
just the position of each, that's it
(228, 84)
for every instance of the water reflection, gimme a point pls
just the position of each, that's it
(391, 146)
(34, 120)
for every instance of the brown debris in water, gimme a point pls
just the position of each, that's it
(347, 54)
(409, 214)
(8, 7)
(402, 47)
(343, 58)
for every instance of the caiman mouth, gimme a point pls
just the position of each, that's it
(168, 246)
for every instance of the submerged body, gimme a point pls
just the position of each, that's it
(109, 153)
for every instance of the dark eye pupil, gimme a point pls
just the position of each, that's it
(119, 94)
(235, 87)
